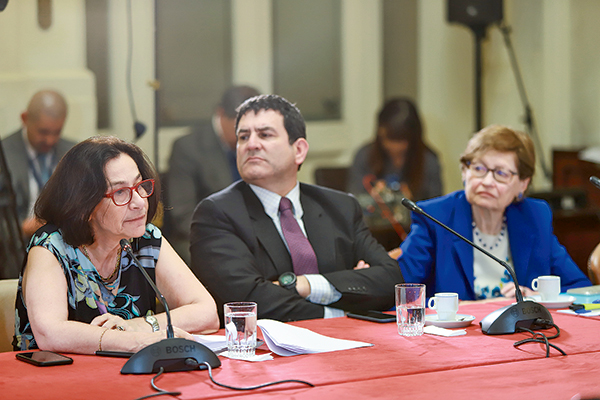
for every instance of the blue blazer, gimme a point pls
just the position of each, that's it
(444, 262)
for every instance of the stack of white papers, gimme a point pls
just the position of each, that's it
(288, 340)
(216, 343)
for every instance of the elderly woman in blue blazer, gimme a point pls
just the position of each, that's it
(492, 211)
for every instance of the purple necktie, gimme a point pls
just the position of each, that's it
(303, 255)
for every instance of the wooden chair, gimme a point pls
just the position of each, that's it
(333, 178)
(8, 294)
(594, 266)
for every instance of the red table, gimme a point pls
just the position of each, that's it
(428, 365)
(554, 378)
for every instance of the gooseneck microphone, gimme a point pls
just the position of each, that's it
(595, 181)
(172, 354)
(127, 247)
(523, 314)
(413, 207)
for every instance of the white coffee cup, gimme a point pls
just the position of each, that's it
(446, 305)
(548, 287)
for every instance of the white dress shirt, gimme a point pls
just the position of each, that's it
(321, 291)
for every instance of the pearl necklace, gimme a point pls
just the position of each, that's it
(499, 237)
(114, 273)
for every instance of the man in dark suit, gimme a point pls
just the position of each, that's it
(34, 150)
(201, 163)
(241, 244)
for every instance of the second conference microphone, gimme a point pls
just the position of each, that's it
(524, 313)
(171, 354)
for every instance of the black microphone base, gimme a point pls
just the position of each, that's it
(508, 319)
(176, 354)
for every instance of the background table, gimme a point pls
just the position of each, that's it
(428, 366)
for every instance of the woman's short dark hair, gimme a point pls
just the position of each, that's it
(79, 184)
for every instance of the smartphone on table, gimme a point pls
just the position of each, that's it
(44, 358)
(373, 316)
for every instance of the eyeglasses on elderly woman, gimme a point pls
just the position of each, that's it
(501, 175)
(123, 196)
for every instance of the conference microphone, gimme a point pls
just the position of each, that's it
(172, 354)
(523, 314)
(595, 181)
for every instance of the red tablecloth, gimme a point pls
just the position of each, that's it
(559, 378)
(417, 361)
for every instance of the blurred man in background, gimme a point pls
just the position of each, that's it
(201, 163)
(34, 150)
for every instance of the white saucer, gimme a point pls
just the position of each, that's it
(563, 301)
(462, 320)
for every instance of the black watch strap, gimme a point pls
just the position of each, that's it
(287, 280)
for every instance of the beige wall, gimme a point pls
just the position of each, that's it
(555, 42)
(556, 46)
(32, 59)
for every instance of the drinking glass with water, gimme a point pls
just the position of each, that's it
(240, 328)
(410, 308)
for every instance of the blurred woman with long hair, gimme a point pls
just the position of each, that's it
(398, 156)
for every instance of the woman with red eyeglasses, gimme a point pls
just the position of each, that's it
(79, 291)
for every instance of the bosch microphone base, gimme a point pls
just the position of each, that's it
(176, 354)
(507, 320)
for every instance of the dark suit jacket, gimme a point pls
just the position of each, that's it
(237, 253)
(198, 167)
(18, 165)
(444, 262)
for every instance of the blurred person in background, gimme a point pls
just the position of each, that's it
(398, 158)
(33, 152)
(201, 163)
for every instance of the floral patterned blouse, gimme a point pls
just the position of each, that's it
(87, 295)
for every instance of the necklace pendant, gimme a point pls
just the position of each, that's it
(115, 271)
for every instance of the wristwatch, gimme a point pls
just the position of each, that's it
(151, 319)
(287, 280)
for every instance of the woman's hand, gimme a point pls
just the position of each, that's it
(147, 339)
(113, 339)
(508, 290)
(180, 333)
(112, 321)
(150, 338)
